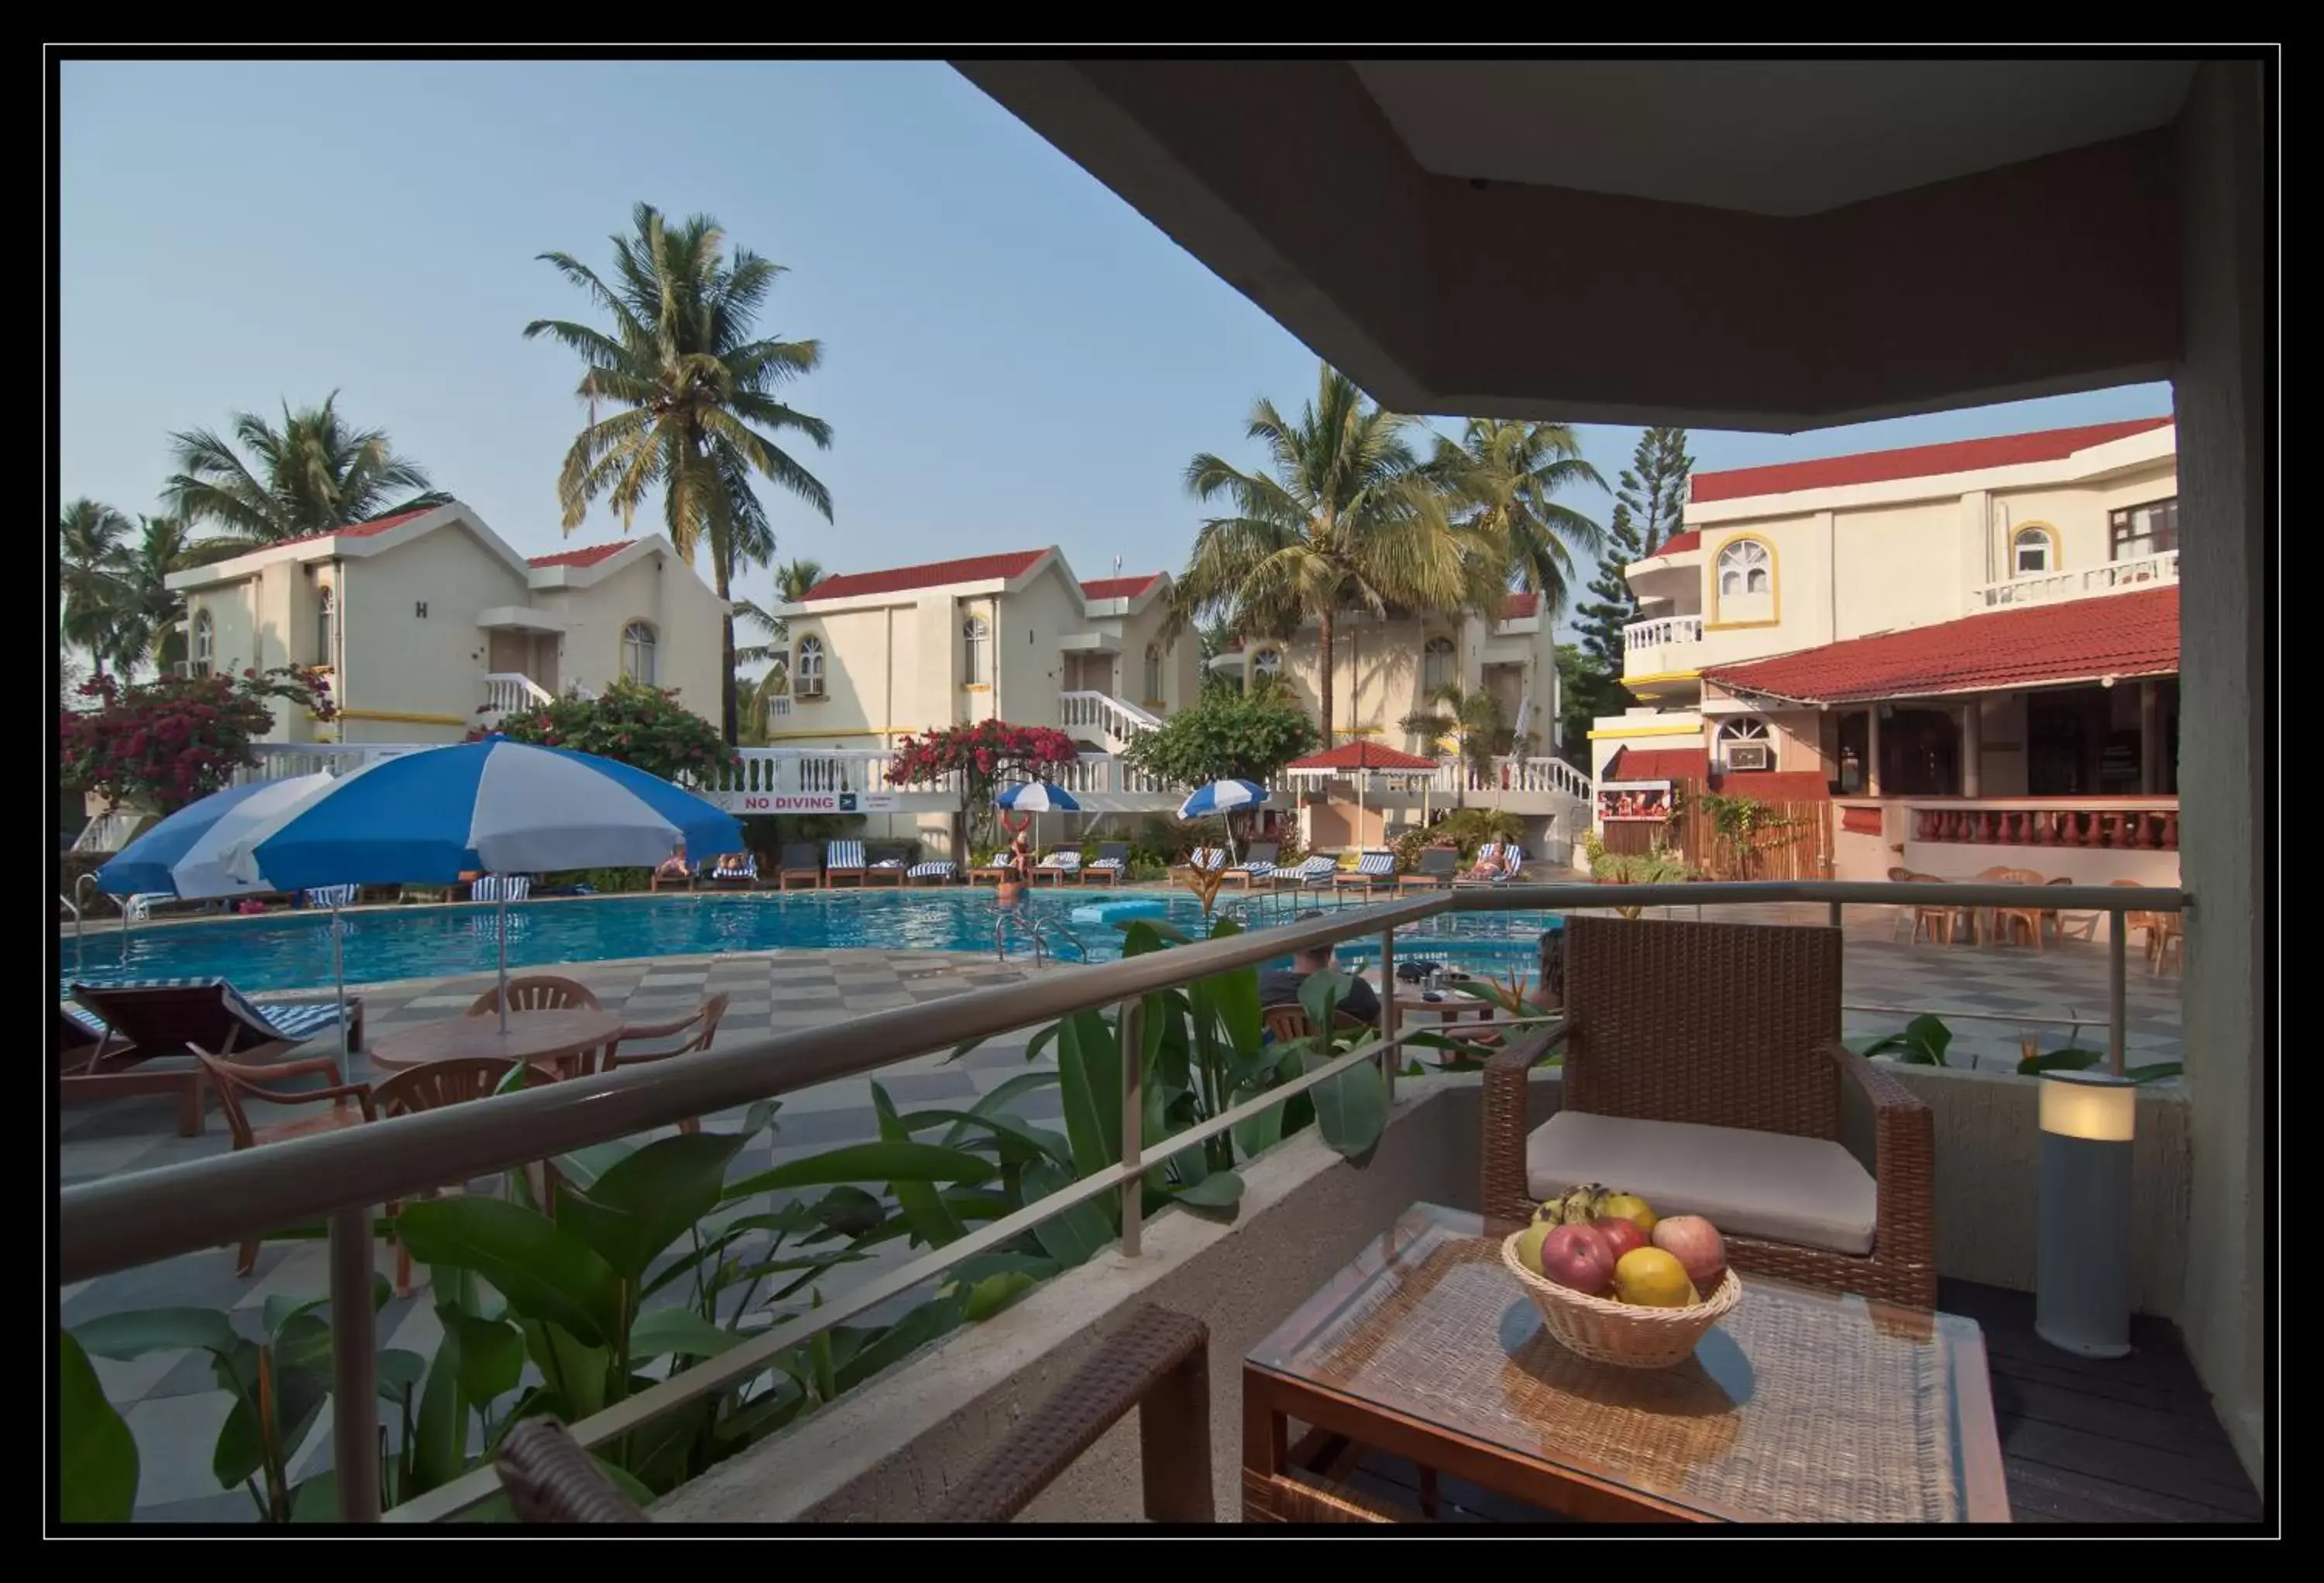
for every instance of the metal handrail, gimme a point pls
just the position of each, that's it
(132, 1220)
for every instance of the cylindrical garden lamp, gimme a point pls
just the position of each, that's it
(2081, 1282)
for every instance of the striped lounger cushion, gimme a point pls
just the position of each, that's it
(890, 863)
(844, 854)
(1375, 865)
(930, 872)
(748, 869)
(501, 887)
(1064, 862)
(1207, 857)
(1259, 871)
(331, 895)
(1107, 866)
(294, 1020)
(1318, 871)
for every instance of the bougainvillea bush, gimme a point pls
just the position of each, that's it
(638, 725)
(986, 757)
(161, 744)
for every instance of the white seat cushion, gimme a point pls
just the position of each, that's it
(1772, 1185)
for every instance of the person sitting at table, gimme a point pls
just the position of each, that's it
(1279, 985)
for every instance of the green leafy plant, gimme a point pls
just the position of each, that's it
(1656, 866)
(1467, 828)
(161, 744)
(981, 759)
(96, 1456)
(1745, 827)
(1923, 1043)
(1471, 721)
(640, 725)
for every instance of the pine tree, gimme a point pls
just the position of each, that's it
(1649, 503)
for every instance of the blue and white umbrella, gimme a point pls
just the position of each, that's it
(1220, 795)
(1037, 797)
(185, 855)
(502, 806)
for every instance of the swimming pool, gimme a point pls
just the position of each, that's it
(292, 950)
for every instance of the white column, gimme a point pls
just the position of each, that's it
(1972, 747)
(1872, 750)
(2150, 738)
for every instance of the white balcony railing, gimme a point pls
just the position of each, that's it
(508, 691)
(1661, 633)
(1517, 775)
(2114, 577)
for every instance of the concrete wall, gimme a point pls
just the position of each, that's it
(680, 606)
(409, 678)
(1032, 623)
(852, 709)
(2221, 397)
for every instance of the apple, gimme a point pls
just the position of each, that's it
(1579, 1257)
(1696, 1244)
(1621, 1236)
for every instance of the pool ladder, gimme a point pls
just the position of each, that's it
(1044, 935)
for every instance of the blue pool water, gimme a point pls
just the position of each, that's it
(292, 950)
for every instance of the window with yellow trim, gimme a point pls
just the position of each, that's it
(1746, 581)
(2032, 552)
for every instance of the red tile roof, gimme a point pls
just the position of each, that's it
(588, 555)
(2035, 645)
(978, 568)
(1120, 587)
(1362, 756)
(1680, 543)
(2009, 450)
(1517, 607)
(356, 529)
(1658, 764)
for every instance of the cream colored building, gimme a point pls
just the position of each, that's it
(876, 655)
(430, 623)
(1385, 671)
(1929, 636)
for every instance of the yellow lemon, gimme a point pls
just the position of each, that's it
(1529, 1243)
(1626, 1206)
(1651, 1278)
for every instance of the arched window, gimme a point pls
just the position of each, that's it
(1153, 672)
(204, 649)
(2031, 551)
(1267, 662)
(1438, 664)
(326, 607)
(976, 652)
(807, 671)
(1755, 743)
(1744, 568)
(638, 652)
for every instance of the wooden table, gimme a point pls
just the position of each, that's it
(1451, 1009)
(545, 1037)
(1800, 1406)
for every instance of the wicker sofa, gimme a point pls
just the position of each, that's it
(1703, 1070)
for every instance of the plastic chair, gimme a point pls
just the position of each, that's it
(536, 993)
(702, 1021)
(236, 1083)
(430, 1086)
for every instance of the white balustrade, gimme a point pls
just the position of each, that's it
(507, 691)
(1662, 631)
(1114, 720)
(2112, 577)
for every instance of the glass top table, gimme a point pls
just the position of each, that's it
(1799, 1406)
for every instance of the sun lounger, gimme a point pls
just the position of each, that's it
(843, 860)
(133, 1024)
(1112, 862)
(799, 865)
(1497, 863)
(738, 871)
(329, 895)
(941, 872)
(1374, 870)
(1258, 867)
(501, 887)
(1202, 857)
(1436, 871)
(1065, 860)
(1317, 870)
(888, 870)
(678, 874)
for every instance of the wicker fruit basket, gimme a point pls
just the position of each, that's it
(1620, 1333)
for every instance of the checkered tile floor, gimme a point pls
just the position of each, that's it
(173, 1405)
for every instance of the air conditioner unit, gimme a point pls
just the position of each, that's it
(1749, 756)
(181, 667)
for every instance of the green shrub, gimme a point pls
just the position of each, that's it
(1467, 828)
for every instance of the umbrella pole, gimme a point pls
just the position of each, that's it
(501, 931)
(339, 983)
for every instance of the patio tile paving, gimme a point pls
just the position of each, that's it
(172, 1403)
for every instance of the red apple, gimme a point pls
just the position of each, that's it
(1621, 1236)
(1578, 1257)
(1696, 1244)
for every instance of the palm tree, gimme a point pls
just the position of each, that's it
(1503, 473)
(314, 474)
(153, 613)
(695, 396)
(92, 566)
(755, 699)
(1344, 519)
(1475, 721)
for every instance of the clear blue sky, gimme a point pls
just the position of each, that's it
(1013, 357)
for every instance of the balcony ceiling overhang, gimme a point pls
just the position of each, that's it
(518, 618)
(1803, 243)
(1091, 643)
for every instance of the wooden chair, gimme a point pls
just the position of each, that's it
(1704, 1073)
(135, 1023)
(1437, 868)
(235, 1085)
(536, 993)
(702, 1021)
(1939, 922)
(2035, 918)
(1157, 1364)
(675, 872)
(800, 864)
(430, 1086)
(1112, 861)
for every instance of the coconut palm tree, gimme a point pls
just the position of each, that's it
(314, 474)
(694, 399)
(1343, 519)
(755, 700)
(92, 565)
(1472, 720)
(1503, 474)
(153, 613)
